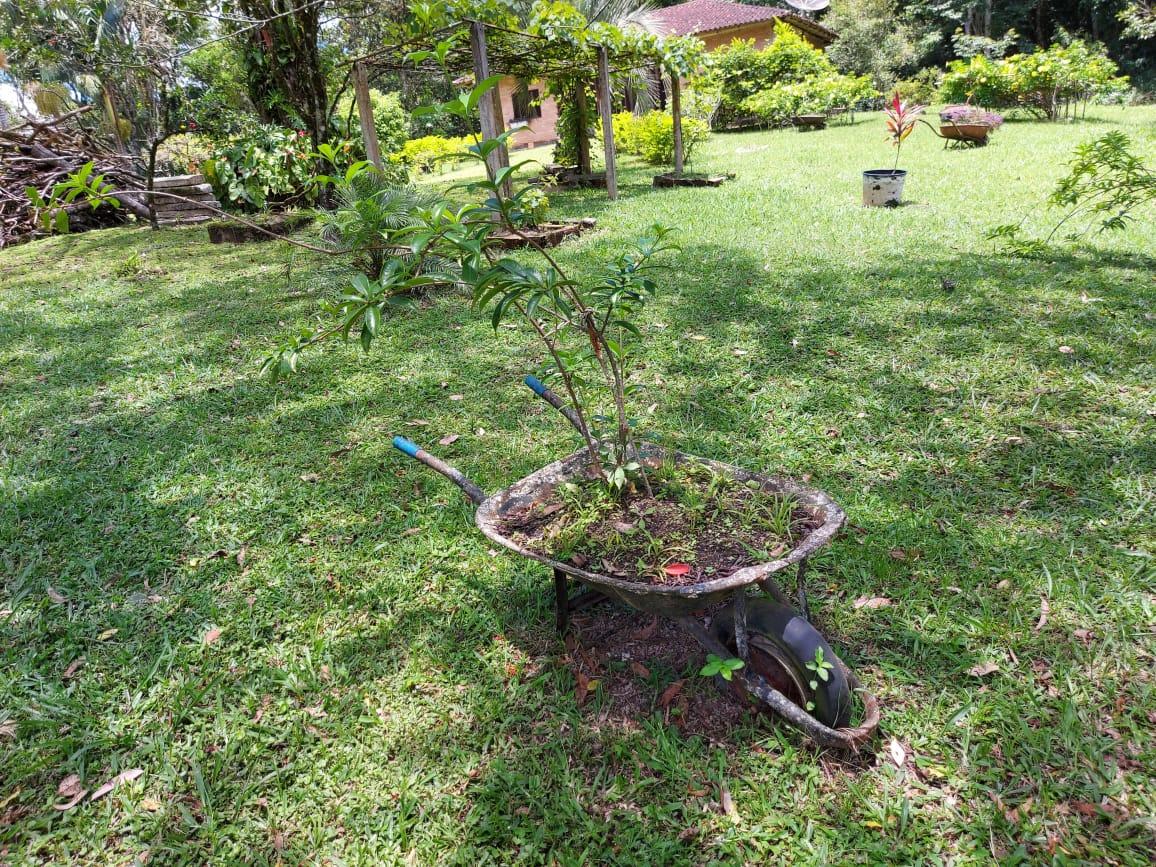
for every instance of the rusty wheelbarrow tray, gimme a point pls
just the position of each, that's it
(680, 603)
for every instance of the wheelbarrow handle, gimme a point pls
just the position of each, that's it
(551, 398)
(476, 494)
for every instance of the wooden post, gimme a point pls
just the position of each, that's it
(490, 107)
(676, 113)
(365, 115)
(607, 111)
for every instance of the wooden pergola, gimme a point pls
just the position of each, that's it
(496, 49)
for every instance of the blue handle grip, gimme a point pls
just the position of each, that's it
(404, 445)
(535, 385)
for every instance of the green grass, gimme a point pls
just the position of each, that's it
(388, 688)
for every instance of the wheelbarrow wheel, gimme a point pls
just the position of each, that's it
(781, 644)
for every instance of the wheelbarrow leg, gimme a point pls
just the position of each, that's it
(562, 600)
(741, 644)
(801, 589)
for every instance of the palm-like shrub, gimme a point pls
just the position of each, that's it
(370, 214)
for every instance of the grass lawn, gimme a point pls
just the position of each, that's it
(298, 636)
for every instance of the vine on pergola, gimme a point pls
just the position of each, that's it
(555, 43)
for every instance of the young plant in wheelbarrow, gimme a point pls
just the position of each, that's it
(670, 534)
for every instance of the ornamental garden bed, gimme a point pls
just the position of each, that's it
(543, 235)
(670, 179)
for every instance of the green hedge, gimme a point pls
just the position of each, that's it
(778, 104)
(1051, 82)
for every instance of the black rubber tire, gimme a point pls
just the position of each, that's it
(791, 641)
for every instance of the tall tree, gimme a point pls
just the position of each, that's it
(283, 64)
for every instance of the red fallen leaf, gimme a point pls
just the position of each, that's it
(211, 636)
(670, 693)
(676, 570)
(639, 669)
(123, 777)
(1086, 809)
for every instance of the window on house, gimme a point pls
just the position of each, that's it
(526, 104)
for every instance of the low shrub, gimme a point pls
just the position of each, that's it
(262, 165)
(430, 151)
(921, 87)
(390, 120)
(1053, 82)
(778, 104)
(651, 136)
(739, 71)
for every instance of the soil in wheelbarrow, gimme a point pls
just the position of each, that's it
(694, 525)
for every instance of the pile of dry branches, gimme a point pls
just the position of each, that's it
(41, 153)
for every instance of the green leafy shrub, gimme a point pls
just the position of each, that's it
(261, 165)
(739, 71)
(370, 215)
(430, 151)
(651, 136)
(921, 87)
(1052, 82)
(780, 103)
(390, 119)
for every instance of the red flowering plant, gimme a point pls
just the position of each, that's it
(901, 119)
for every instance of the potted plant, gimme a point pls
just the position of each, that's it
(884, 187)
(968, 123)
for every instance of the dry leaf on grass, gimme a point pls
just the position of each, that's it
(872, 602)
(586, 685)
(56, 597)
(898, 754)
(1045, 610)
(70, 788)
(123, 777)
(73, 667)
(728, 803)
(1067, 350)
(211, 636)
(983, 669)
(107, 634)
(639, 669)
(647, 632)
(448, 440)
(670, 693)
(8, 729)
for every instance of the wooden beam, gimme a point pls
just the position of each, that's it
(490, 107)
(607, 110)
(676, 113)
(365, 115)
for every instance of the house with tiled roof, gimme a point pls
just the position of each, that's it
(719, 22)
(716, 22)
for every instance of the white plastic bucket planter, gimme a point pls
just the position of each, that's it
(883, 187)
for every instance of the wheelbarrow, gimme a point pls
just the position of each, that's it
(774, 640)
